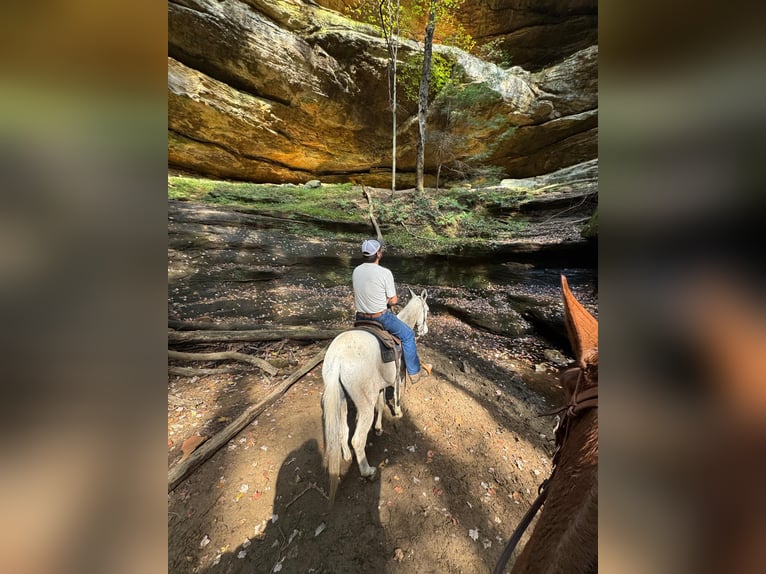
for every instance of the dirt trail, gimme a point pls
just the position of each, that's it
(457, 471)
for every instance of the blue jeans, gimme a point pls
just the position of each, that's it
(399, 328)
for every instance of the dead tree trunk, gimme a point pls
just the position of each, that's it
(372, 215)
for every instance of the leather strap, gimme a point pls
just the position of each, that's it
(371, 315)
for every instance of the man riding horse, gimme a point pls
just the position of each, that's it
(374, 294)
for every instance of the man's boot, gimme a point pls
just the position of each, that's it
(425, 371)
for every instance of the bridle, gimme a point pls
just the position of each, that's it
(420, 326)
(579, 402)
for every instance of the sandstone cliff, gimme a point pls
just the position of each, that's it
(287, 91)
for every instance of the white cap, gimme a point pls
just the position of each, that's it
(370, 247)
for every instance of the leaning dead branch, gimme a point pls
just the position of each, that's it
(372, 216)
(183, 469)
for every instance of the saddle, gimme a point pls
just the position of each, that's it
(390, 346)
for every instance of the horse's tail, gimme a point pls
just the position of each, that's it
(334, 421)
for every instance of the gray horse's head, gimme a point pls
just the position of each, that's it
(421, 320)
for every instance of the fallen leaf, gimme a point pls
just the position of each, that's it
(190, 445)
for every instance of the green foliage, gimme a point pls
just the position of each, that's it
(442, 68)
(458, 213)
(369, 12)
(493, 51)
(412, 18)
(436, 221)
(365, 11)
(330, 201)
(464, 98)
(590, 230)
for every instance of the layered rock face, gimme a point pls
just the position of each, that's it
(288, 91)
(530, 34)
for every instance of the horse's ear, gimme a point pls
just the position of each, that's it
(582, 327)
(412, 293)
(424, 295)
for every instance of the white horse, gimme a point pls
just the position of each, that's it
(353, 367)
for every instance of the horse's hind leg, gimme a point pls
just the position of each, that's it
(397, 398)
(344, 430)
(379, 415)
(364, 418)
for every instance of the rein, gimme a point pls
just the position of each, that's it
(579, 402)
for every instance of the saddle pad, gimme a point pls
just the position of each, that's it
(389, 345)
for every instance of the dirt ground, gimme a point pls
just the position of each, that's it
(457, 471)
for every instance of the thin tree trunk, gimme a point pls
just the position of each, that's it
(425, 79)
(183, 469)
(392, 36)
(393, 133)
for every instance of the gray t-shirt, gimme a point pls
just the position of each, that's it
(373, 287)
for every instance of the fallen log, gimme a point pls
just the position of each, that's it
(298, 333)
(211, 326)
(224, 356)
(192, 372)
(183, 469)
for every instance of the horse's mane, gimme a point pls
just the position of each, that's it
(409, 313)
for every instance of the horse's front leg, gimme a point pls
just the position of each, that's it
(379, 416)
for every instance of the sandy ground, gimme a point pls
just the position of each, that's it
(457, 471)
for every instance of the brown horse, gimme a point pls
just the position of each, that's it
(565, 539)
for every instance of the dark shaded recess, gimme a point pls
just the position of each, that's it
(580, 254)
